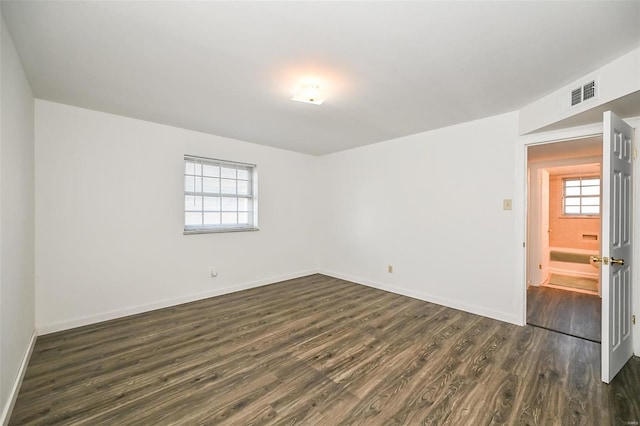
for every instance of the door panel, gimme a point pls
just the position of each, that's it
(617, 221)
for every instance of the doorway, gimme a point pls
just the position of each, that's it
(563, 227)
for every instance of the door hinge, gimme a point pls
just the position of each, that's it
(633, 319)
(635, 153)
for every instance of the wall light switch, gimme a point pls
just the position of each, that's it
(506, 204)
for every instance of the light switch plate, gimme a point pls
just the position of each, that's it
(506, 204)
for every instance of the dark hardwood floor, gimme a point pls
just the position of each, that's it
(319, 350)
(569, 312)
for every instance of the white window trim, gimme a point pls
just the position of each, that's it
(253, 198)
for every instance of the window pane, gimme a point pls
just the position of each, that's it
(212, 218)
(571, 183)
(590, 201)
(197, 168)
(229, 218)
(591, 190)
(228, 186)
(212, 203)
(591, 182)
(192, 203)
(192, 184)
(211, 171)
(572, 190)
(243, 187)
(243, 218)
(189, 168)
(192, 219)
(591, 209)
(572, 209)
(211, 185)
(572, 201)
(243, 174)
(228, 173)
(229, 204)
(243, 204)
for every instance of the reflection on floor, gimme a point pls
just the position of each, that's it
(568, 312)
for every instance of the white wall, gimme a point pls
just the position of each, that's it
(615, 80)
(109, 218)
(16, 221)
(431, 205)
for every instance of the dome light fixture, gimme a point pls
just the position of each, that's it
(309, 93)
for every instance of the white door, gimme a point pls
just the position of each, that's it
(617, 205)
(544, 225)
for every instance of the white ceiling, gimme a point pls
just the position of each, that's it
(390, 68)
(580, 169)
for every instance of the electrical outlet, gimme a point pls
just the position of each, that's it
(214, 272)
(390, 269)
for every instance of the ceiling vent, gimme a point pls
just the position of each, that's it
(583, 93)
(576, 96)
(589, 90)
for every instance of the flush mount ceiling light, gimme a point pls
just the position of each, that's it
(309, 93)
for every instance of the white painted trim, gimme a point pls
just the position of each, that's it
(119, 313)
(635, 275)
(15, 389)
(520, 198)
(520, 207)
(478, 310)
(579, 132)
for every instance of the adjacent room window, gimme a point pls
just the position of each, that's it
(219, 196)
(581, 196)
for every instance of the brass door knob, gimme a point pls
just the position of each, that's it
(617, 261)
(596, 259)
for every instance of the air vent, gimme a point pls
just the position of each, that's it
(576, 96)
(589, 90)
(583, 93)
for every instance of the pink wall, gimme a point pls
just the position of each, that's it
(568, 231)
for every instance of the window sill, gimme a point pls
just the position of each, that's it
(579, 217)
(217, 231)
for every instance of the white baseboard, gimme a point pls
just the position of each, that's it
(119, 313)
(15, 389)
(79, 322)
(478, 310)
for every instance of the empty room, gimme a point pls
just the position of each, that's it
(319, 213)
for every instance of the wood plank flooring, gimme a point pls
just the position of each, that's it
(319, 351)
(569, 312)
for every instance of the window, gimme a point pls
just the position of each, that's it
(581, 196)
(219, 196)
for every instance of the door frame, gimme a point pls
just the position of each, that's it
(520, 208)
